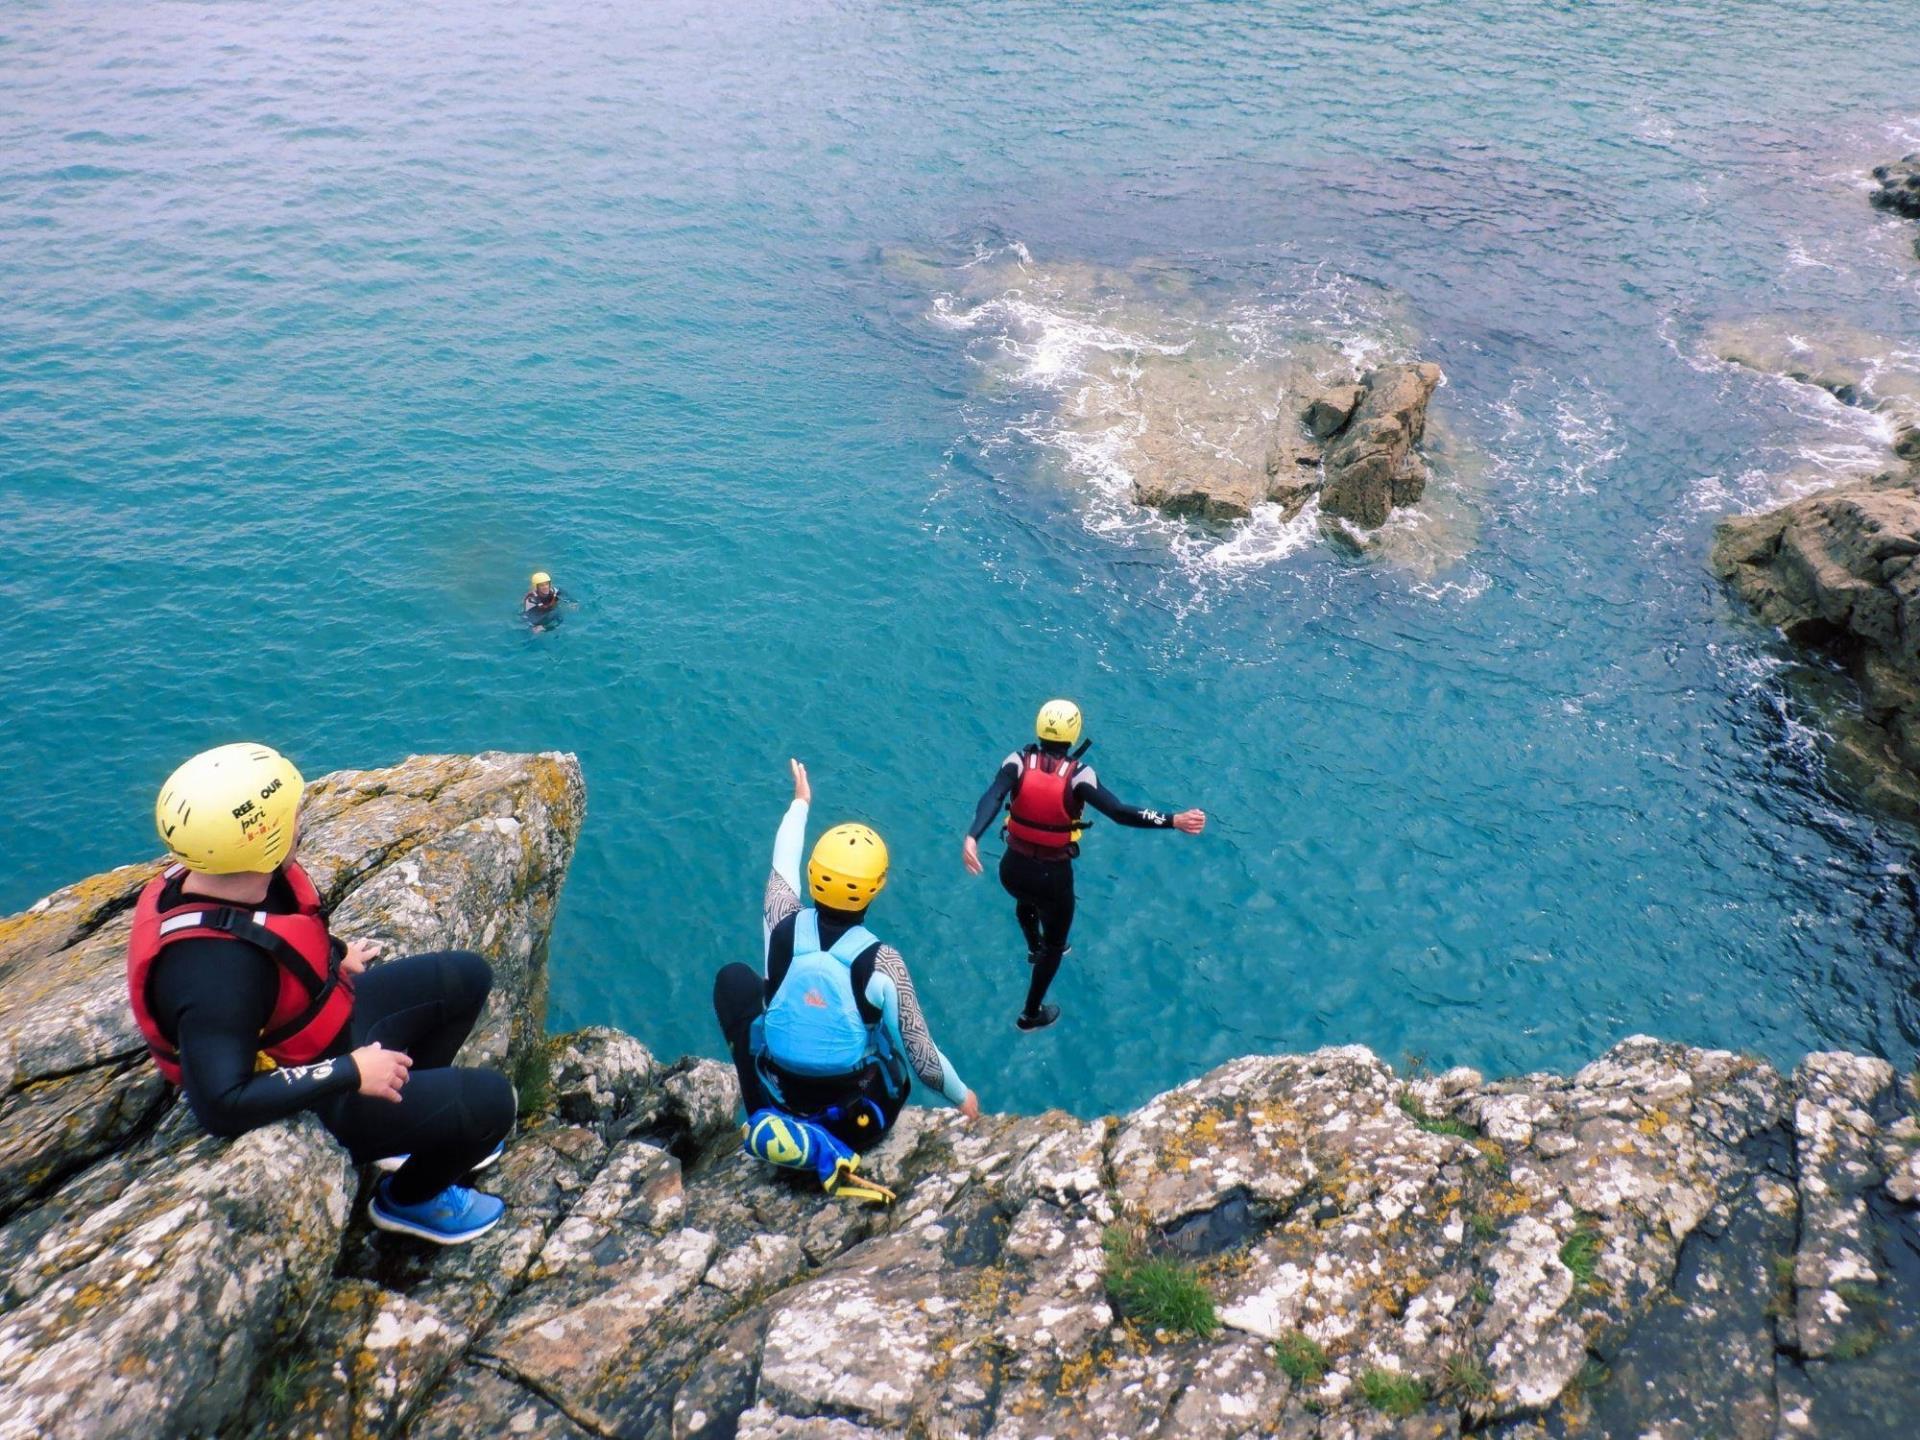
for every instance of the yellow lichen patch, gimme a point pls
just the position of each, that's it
(1507, 1201)
(1653, 1122)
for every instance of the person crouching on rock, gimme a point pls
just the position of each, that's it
(825, 1042)
(251, 1005)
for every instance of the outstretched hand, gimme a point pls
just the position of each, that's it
(970, 856)
(1190, 822)
(970, 1107)
(802, 791)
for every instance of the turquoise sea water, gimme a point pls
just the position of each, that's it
(765, 328)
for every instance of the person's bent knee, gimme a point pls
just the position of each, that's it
(491, 1104)
(468, 974)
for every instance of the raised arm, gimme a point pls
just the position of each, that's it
(900, 1007)
(783, 880)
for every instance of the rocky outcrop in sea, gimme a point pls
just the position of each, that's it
(1897, 189)
(1352, 443)
(1671, 1241)
(1834, 571)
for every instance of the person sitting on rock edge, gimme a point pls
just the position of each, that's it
(826, 1042)
(1046, 790)
(250, 1004)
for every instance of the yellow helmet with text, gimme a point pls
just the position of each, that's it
(848, 868)
(1058, 720)
(230, 809)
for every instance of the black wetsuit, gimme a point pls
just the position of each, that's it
(214, 997)
(1042, 885)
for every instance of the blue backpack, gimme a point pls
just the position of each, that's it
(820, 1022)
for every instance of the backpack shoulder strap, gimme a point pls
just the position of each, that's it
(862, 976)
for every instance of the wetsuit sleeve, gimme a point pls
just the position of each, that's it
(1087, 785)
(995, 797)
(783, 882)
(214, 997)
(900, 1011)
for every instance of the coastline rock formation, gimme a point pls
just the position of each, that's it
(1899, 190)
(1833, 571)
(1352, 444)
(1672, 1241)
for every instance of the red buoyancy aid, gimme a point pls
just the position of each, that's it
(315, 999)
(1044, 812)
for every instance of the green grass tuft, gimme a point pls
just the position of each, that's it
(1853, 1344)
(1392, 1393)
(1484, 1227)
(1468, 1378)
(1581, 1254)
(1164, 1293)
(277, 1389)
(533, 1078)
(1434, 1124)
(1481, 1294)
(1301, 1357)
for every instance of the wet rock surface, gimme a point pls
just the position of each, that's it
(1353, 444)
(1897, 187)
(1670, 1242)
(1834, 571)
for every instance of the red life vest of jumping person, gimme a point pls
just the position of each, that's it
(315, 999)
(1044, 813)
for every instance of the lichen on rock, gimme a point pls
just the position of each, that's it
(1672, 1241)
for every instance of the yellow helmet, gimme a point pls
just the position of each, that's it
(541, 577)
(230, 809)
(848, 868)
(1058, 720)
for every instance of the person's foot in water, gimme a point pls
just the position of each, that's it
(1038, 1019)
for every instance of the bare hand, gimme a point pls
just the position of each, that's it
(970, 1107)
(382, 1072)
(1190, 822)
(802, 791)
(360, 954)
(970, 856)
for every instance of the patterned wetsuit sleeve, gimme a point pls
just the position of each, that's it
(996, 796)
(783, 881)
(936, 1072)
(1087, 785)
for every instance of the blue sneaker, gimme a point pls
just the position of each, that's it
(391, 1163)
(453, 1217)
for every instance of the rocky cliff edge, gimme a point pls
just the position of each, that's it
(1671, 1242)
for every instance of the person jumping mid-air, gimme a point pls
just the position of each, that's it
(827, 1041)
(1046, 789)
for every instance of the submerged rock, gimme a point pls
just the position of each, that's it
(1672, 1241)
